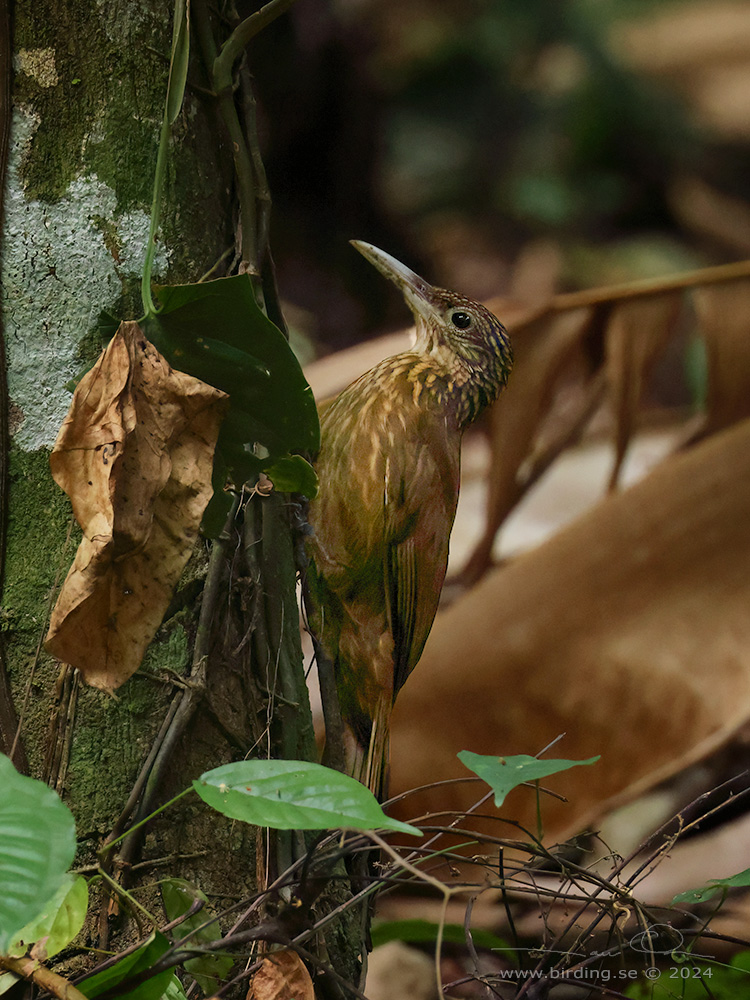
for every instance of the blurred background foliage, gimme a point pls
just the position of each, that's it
(511, 147)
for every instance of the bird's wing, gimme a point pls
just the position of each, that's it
(382, 526)
(420, 504)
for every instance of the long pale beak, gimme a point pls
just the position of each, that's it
(417, 292)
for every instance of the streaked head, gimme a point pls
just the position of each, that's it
(475, 339)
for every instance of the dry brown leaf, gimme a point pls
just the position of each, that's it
(637, 333)
(629, 631)
(724, 318)
(710, 212)
(636, 320)
(134, 455)
(542, 346)
(282, 976)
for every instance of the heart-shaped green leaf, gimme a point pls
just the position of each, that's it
(741, 879)
(216, 332)
(503, 774)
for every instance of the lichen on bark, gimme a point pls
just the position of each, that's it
(88, 101)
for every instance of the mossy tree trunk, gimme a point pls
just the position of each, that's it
(88, 97)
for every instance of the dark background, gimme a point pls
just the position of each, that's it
(497, 146)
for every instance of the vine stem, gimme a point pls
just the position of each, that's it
(234, 46)
(146, 819)
(652, 286)
(28, 968)
(221, 63)
(222, 86)
(172, 105)
(149, 308)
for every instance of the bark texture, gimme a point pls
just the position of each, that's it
(88, 96)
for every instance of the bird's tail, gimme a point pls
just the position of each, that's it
(368, 752)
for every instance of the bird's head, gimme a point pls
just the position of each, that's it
(463, 335)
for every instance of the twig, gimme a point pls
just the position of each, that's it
(624, 893)
(28, 968)
(652, 286)
(235, 45)
(184, 704)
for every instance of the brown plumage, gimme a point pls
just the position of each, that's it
(389, 468)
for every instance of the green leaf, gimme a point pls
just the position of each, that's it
(426, 932)
(702, 981)
(216, 332)
(294, 795)
(217, 510)
(60, 921)
(139, 961)
(37, 846)
(503, 774)
(208, 970)
(292, 474)
(178, 64)
(715, 885)
(174, 990)
(106, 327)
(7, 981)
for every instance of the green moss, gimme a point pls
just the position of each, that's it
(106, 114)
(126, 166)
(39, 550)
(112, 738)
(169, 654)
(101, 90)
(42, 540)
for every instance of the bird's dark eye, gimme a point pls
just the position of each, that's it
(461, 319)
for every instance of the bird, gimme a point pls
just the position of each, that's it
(379, 529)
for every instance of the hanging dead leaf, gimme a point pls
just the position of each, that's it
(547, 343)
(629, 631)
(542, 345)
(134, 455)
(282, 976)
(710, 212)
(637, 333)
(724, 318)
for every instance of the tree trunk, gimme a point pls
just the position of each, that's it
(88, 98)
